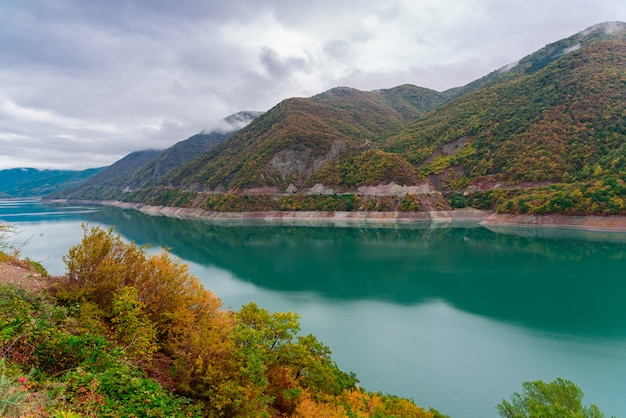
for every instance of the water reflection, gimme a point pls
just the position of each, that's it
(454, 318)
(15, 211)
(572, 285)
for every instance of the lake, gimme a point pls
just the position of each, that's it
(453, 317)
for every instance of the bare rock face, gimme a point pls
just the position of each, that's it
(320, 189)
(448, 149)
(335, 149)
(195, 186)
(255, 191)
(393, 189)
(300, 162)
(289, 161)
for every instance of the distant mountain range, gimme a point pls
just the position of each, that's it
(545, 134)
(137, 169)
(22, 182)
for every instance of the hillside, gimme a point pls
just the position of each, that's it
(149, 173)
(563, 123)
(567, 91)
(178, 154)
(541, 127)
(127, 333)
(21, 182)
(543, 57)
(143, 169)
(297, 137)
(108, 183)
(543, 135)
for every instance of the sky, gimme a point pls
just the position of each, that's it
(84, 83)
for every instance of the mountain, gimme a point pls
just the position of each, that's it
(143, 169)
(558, 118)
(186, 150)
(545, 56)
(292, 141)
(107, 183)
(181, 152)
(528, 122)
(543, 135)
(22, 182)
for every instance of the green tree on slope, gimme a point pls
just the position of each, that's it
(559, 398)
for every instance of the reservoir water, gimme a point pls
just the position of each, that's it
(453, 317)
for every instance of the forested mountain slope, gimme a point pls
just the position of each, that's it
(564, 123)
(552, 125)
(298, 136)
(109, 182)
(176, 155)
(540, 120)
(556, 119)
(145, 168)
(543, 57)
(184, 151)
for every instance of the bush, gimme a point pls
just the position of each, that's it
(121, 390)
(457, 201)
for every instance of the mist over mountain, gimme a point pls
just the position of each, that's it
(545, 56)
(145, 168)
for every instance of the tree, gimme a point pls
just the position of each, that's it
(279, 364)
(234, 364)
(559, 398)
(102, 264)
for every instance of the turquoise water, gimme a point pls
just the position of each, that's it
(455, 318)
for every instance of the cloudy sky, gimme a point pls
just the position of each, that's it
(83, 83)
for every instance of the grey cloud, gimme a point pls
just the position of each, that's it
(337, 49)
(90, 81)
(278, 67)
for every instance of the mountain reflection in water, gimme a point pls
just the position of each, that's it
(561, 281)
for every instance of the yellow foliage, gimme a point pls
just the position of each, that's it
(102, 264)
(91, 318)
(161, 299)
(364, 404)
(173, 296)
(246, 363)
(309, 408)
(131, 324)
(361, 404)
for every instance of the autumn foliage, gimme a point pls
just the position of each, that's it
(133, 333)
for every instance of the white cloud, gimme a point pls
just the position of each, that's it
(84, 83)
(27, 115)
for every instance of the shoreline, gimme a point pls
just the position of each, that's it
(480, 217)
(610, 223)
